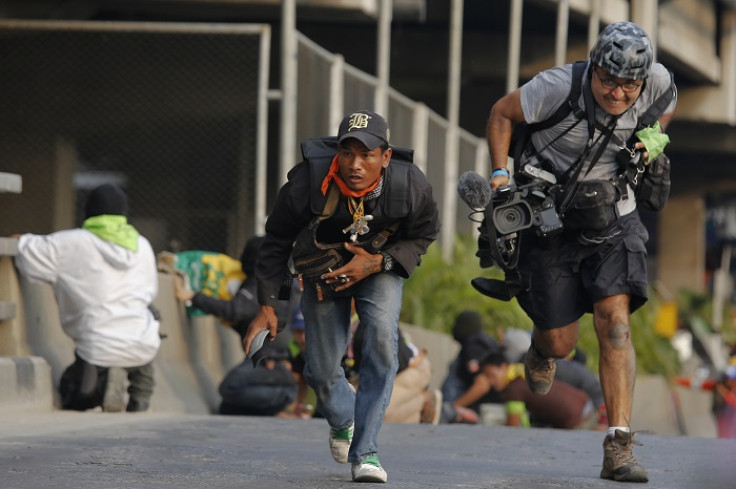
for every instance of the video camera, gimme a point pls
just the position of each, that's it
(529, 202)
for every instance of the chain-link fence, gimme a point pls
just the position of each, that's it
(169, 111)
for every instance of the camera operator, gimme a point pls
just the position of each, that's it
(578, 271)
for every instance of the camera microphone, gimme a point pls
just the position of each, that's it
(474, 190)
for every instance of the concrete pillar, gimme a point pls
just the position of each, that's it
(512, 67)
(645, 13)
(64, 203)
(563, 26)
(681, 253)
(715, 103)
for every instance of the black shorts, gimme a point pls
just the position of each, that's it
(569, 272)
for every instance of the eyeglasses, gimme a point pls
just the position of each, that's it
(610, 84)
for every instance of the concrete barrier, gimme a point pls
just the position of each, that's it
(44, 335)
(231, 347)
(441, 350)
(205, 351)
(177, 386)
(12, 332)
(667, 410)
(25, 385)
(196, 353)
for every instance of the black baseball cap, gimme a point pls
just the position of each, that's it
(367, 127)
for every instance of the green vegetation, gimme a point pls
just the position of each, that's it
(437, 291)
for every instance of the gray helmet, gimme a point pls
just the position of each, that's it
(624, 50)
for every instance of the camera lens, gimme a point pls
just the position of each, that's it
(511, 218)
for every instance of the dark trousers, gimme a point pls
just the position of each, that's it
(257, 391)
(83, 386)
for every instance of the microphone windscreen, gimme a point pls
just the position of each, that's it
(474, 190)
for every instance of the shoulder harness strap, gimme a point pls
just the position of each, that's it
(656, 110)
(571, 105)
(631, 173)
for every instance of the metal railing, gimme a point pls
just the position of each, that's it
(328, 88)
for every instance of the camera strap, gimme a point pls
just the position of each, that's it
(574, 182)
(633, 171)
(508, 260)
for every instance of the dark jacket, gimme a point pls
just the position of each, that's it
(406, 197)
(241, 308)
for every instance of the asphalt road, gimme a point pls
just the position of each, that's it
(97, 450)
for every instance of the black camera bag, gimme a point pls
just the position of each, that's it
(651, 182)
(592, 207)
(654, 186)
(311, 258)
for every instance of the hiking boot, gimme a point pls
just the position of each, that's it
(432, 407)
(539, 371)
(340, 440)
(619, 463)
(369, 470)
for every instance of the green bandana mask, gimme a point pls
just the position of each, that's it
(654, 140)
(114, 229)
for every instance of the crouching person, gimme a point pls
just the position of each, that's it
(355, 216)
(263, 388)
(104, 278)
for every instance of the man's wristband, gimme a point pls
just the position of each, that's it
(500, 172)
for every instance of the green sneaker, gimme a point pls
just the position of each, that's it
(369, 470)
(340, 440)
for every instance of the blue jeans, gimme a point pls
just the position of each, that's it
(377, 302)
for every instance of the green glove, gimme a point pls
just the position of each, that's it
(654, 140)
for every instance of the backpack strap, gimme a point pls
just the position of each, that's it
(523, 132)
(656, 110)
(333, 197)
(571, 105)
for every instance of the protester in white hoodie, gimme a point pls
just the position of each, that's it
(104, 278)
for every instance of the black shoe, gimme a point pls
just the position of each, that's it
(137, 406)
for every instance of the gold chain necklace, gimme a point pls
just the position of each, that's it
(360, 220)
(356, 208)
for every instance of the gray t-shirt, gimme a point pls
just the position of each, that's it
(544, 93)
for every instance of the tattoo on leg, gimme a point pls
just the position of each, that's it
(619, 334)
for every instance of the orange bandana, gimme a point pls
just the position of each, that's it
(333, 175)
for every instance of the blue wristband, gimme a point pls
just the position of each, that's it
(500, 171)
